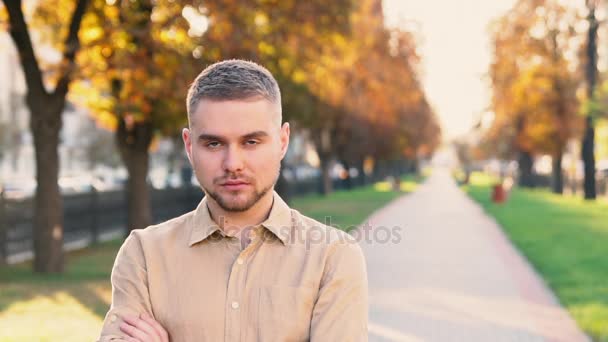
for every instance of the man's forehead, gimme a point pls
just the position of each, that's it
(234, 127)
(251, 102)
(256, 112)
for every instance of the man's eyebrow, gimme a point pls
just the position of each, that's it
(210, 137)
(256, 134)
(252, 135)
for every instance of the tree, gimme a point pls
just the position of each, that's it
(134, 75)
(46, 107)
(150, 51)
(463, 151)
(588, 146)
(534, 85)
(376, 103)
(503, 137)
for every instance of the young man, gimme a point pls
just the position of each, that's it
(243, 266)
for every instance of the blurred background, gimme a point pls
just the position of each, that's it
(510, 96)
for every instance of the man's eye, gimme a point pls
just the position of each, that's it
(213, 144)
(251, 142)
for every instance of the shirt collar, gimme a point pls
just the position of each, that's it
(278, 222)
(202, 223)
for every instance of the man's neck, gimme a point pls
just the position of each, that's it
(234, 222)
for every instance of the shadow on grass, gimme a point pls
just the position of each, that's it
(86, 278)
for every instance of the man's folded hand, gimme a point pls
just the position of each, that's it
(143, 329)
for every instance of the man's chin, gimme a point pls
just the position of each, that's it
(236, 207)
(235, 202)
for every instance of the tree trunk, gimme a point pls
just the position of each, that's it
(326, 183)
(45, 124)
(398, 168)
(282, 187)
(361, 177)
(348, 182)
(589, 160)
(467, 175)
(557, 179)
(525, 163)
(416, 164)
(322, 141)
(377, 171)
(395, 171)
(133, 144)
(588, 145)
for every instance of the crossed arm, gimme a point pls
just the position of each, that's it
(143, 329)
(130, 317)
(340, 311)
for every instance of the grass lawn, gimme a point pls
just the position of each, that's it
(71, 306)
(566, 239)
(67, 307)
(347, 209)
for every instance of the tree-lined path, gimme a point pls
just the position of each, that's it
(454, 276)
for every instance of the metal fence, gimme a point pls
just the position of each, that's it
(88, 218)
(99, 216)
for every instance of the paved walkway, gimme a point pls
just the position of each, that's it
(453, 276)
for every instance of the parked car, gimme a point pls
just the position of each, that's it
(74, 184)
(18, 188)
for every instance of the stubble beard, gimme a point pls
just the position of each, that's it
(232, 206)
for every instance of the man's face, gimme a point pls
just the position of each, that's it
(235, 148)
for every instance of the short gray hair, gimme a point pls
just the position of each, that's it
(233, 79)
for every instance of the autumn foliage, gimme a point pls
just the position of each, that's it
(350, 82)
(534, 82)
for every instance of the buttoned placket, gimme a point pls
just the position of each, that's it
(236, 288)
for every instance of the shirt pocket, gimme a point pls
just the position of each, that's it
(285, 313)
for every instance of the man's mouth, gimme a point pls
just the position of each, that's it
(234, 184)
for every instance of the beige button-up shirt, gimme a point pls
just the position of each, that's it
(298, 280)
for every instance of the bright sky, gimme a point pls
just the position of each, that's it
(455, 51)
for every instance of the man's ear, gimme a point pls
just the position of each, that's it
(285, 131)
(187, 138)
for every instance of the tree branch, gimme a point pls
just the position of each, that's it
(21, 37)
(71, 46)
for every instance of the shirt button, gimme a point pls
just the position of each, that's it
(113, 318)
(239, 261)
(235, 305)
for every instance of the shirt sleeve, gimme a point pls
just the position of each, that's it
(130, 294)
(341, 309)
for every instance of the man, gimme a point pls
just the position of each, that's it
(243, 266)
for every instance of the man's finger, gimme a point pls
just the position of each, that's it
(145, 331)
(133, 333)
(131, 339)
(160, 331)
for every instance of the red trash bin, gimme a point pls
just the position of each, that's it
(498, 194)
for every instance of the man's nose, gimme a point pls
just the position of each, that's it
(233, 160)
